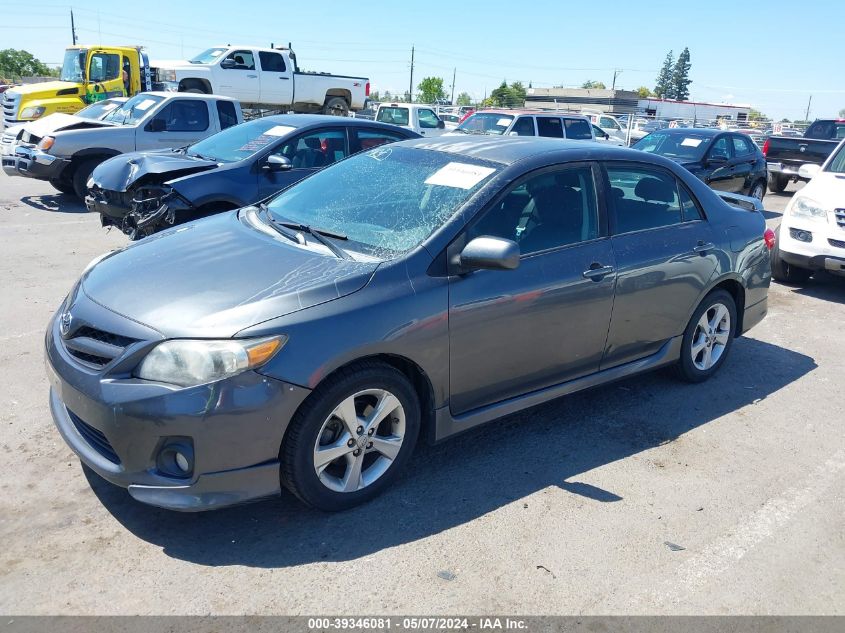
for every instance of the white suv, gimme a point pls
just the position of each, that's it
(812, 234)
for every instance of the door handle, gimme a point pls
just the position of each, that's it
(702, 248)
(285, 78)
(596, 272)
(252, 76)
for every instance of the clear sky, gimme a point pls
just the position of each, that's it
(772, 55)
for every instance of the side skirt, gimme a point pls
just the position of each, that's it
(447, 425)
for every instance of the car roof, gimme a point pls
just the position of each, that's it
(511, 149)
(186, 95)
(300, 121)
(519, 111)
(700, 131)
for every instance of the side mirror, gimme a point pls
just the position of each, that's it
(441, 125)
(275, 162)
(156, 125)
(717, 160)
(808, 170)
(490, 253)
(228, 63)
(606, 136)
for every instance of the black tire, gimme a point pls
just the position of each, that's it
(196, 91)
(298, 472)
(686, 368)
(63, 186)
(758, 187)
(777, 183)
(336, 106)
(784, 272)
(81, 175)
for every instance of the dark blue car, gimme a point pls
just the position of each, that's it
(144, 192)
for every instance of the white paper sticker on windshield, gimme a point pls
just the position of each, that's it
(691, 142)
(145, 105)
(503, 122)
(459, 175)
(279, 130)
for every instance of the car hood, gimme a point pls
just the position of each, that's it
(214, 277)
(55, 122)
(121, 172)
(826, 188)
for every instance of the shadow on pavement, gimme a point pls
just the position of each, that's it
(822, 285)
(462, 479)
(56, 202)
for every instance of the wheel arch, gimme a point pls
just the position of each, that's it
(339, 92)
(195, 83)
(418, 378)
(734, 287)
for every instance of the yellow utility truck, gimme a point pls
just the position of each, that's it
(89, 74)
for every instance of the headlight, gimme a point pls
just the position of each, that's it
(167, 74)
(803, 207)
(187, 363)
(45, 143)
(32, 112)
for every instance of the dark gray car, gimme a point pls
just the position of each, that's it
(417, 289)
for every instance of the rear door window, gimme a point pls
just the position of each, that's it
(549, 126)
(578, 129)
(742, 147)
(271, 62)
(393, 114)
(642, 198)
(228, 115)
(368, 139)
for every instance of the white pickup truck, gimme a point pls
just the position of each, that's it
(149, 120)
(420, 118)
(265, 78)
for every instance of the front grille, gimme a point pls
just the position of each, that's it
(96, 348)
(11, 99)
(839, 214)
(837, 243)
(95, 438)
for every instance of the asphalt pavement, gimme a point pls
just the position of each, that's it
(647, 496)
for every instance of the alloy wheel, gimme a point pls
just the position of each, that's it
(711, 336)
(359, 440)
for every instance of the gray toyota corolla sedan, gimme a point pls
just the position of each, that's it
(414, 290)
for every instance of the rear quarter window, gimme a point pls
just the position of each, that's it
(396, 116)
(578, 129)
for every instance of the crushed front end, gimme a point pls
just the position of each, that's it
(140, 211)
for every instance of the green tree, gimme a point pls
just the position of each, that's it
(15, 64)
(643, 92)
(756, 115)
(785, 120)
(374, 96)
(680, 76)
(464, 99)
(430, 90)
(388, 96)
(407, 98)
(506, 96)
(663, 84)
(517, 95)
(590, 84)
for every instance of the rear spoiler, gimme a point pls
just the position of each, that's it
(743, 202)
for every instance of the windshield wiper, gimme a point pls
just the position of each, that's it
(279, 227)
(318, 235)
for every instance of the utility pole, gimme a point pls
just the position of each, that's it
(411, 89)
(807, 115)
(72, 28)
(615, 73)
(454, 74)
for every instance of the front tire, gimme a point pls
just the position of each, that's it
(63, 186)
(81, 175)
(784, 272)
(708, 337)
(351, 437)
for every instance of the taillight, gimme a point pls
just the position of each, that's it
(769, 237)
(367, 90)
(766, 147)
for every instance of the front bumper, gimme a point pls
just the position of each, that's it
(826, 251)
(119, 425)
(33, 163)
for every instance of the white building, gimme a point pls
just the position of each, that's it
(693, 110)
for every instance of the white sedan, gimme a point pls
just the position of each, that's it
(812, 234)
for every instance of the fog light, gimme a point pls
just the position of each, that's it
(800, 235)
(176, 457)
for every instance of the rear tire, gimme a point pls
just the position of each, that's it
(195, 91)
(329, 447)
(777, 183)
(336, 106)
(758, 190)
(81, 175)
(784, 272)
(708, 337)
(63, 186)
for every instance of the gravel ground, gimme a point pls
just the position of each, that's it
(563, 509)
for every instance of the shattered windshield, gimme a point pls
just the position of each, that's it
(385, 201)
(240, 141)
(133, 110)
